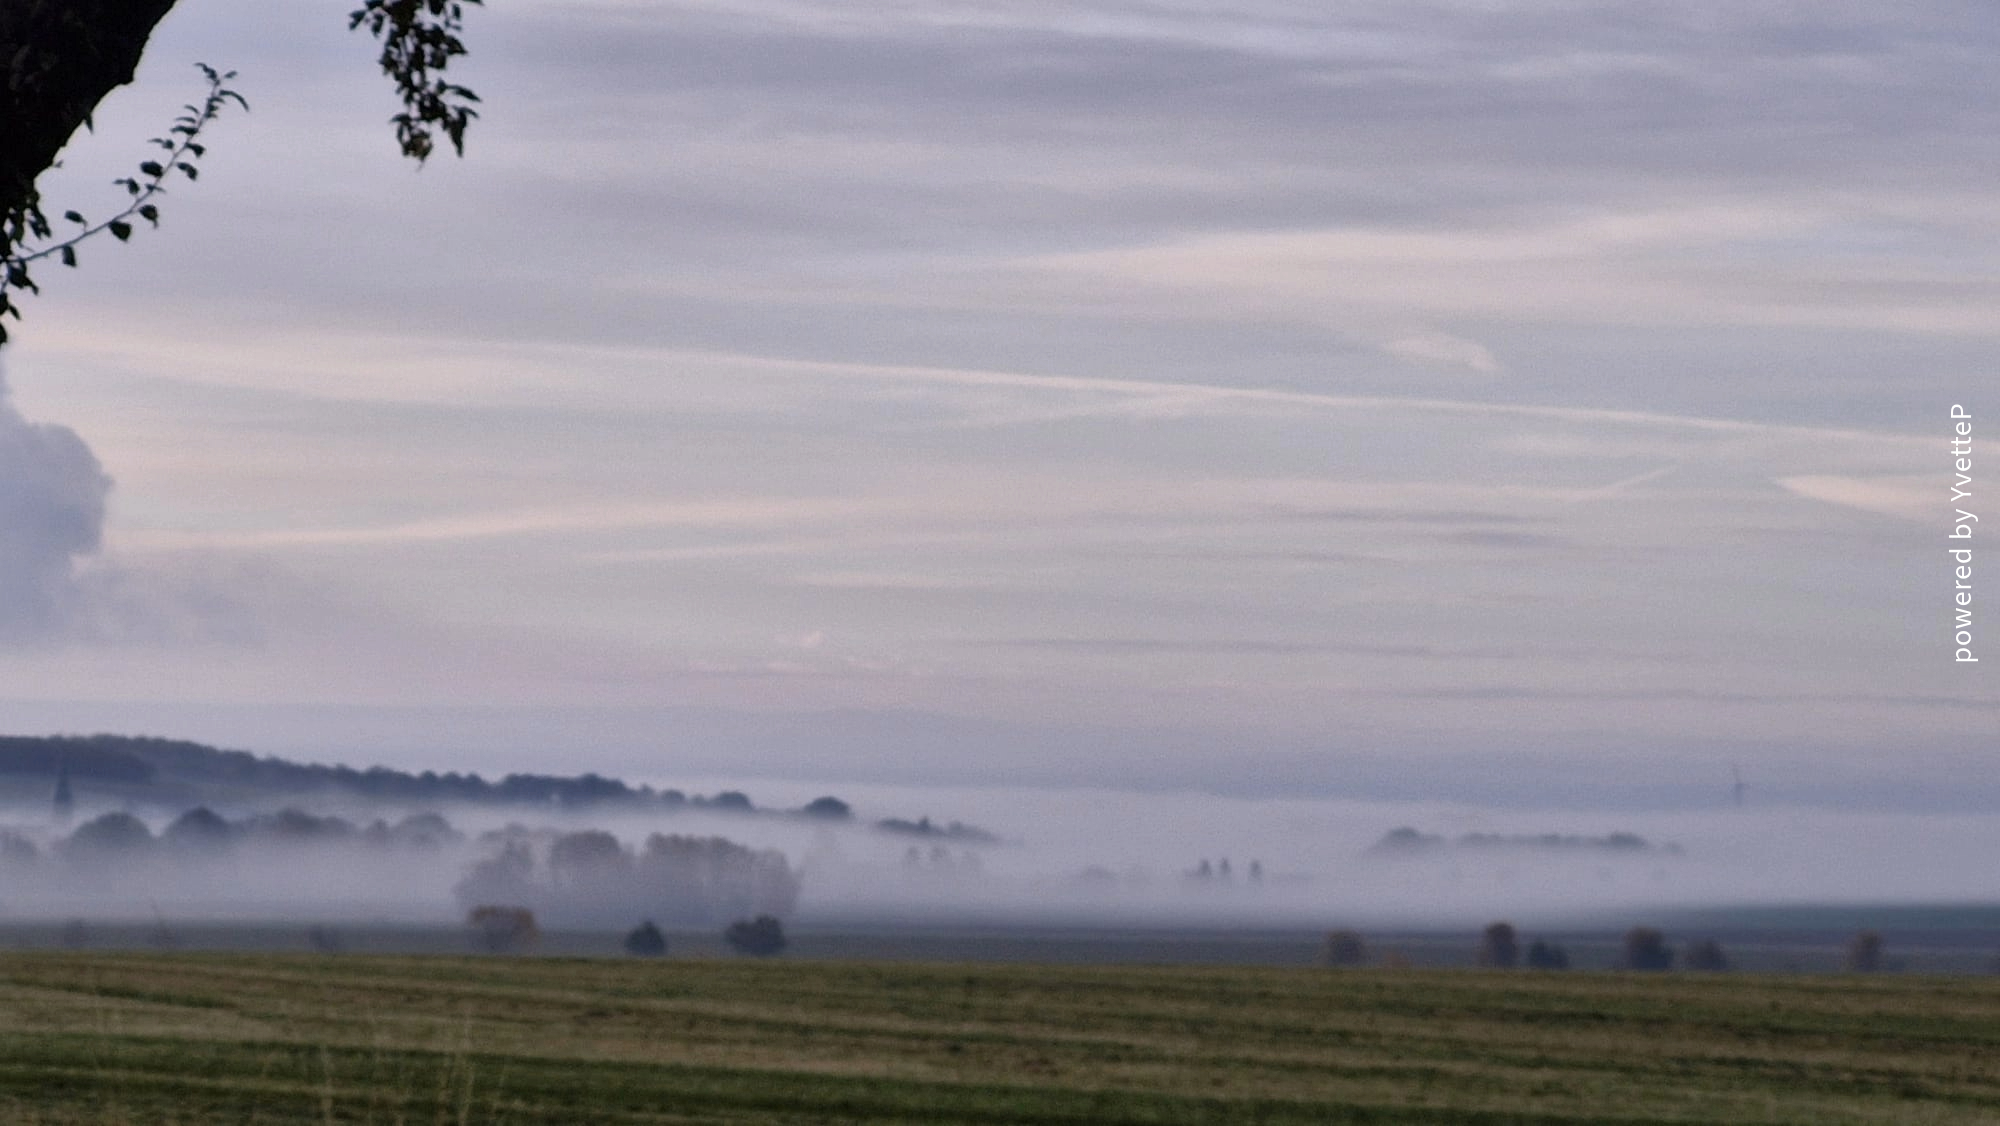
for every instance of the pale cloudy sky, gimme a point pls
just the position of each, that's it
(1522, 401)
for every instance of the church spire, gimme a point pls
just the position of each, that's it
(65, 802)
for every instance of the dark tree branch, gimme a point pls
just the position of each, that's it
(419, 40)
(181, 148)
(58, 60)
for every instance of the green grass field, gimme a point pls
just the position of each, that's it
(235, 1038)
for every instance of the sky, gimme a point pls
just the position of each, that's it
(1533, 403)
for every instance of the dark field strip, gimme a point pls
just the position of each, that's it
(229, 1038)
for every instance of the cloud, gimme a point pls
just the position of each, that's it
(1486, 537)
(52, 496)
(58, 586)
(1905, 496)
(1441, 350)
(752, 512)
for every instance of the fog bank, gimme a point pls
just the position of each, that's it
(1091, 857)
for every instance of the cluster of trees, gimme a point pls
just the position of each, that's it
(1499, 948)
(504, 930)
(201, 832)
(590, 878)
(1406, 841)
(940, 862)
(514, 930)
(1645, 948)
(1642, 948)
(925, 827)
(1221, 872)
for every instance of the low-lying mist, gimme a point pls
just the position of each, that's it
(1086, 857)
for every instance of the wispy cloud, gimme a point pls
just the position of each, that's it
(1245, 363)
(751, 513)
(1904, 496)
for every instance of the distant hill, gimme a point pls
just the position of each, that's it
(171, 771)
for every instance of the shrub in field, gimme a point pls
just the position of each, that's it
(1645, 949)
(1706, 955)
(503, 930)
(1864, 953)
(1344, 948)
(1547, 956)
(762, 936)
(645, 941)
(1498, 947)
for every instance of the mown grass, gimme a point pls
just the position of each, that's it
(233, 1038)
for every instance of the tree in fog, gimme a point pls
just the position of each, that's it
(1645, 949)
(732, 801)
(701, 879)
(108, 836)
(645, 941)
(503, 930)
(829, 809)
(1706, 955)
(588, 878)
(294, 826)
(588, 859)
(198, 830)
(1498, 948)
(418, 832)
(1547, 956)
(505, 877)
(1864, 953)
(762, 936)
(1343, 948)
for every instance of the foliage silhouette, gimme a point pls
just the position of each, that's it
(1344, 948)
(1498, 947)
(645, 941)
(58, 61)
(760, 937)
